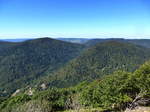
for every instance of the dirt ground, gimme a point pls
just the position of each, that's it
(139, 109)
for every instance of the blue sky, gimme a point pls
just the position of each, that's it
(75, 18)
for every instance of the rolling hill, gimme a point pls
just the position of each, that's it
(99, 60)
(21, 63)
(4, 45)
(141, 42)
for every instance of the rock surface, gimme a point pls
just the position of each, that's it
(139, 109)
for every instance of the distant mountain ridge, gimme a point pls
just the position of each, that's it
(91, 41)
(142, 42)
(16, 40)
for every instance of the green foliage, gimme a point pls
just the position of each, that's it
(50, 100)
(55, 97)
(13, 101)
(117, 90)
(112, 92)
(21, 63)
(107, 92)
(100, 60)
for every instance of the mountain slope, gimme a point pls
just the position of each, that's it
(142, 42)
(26, 61)
(102, 59)
(112, 93)
(120, 90)
(4, 45)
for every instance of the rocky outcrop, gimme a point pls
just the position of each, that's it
(16, 92)
(143, 102)
(140, 104)
(43, 86)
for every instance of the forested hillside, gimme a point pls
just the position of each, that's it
(20, 63)
(4, 45)
(50, 75)
(141, 42)
(99, 60)
(113, 93)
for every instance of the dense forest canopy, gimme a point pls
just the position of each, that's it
(114, 92)
(25, 61)
(48, 75)
(99, 60)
